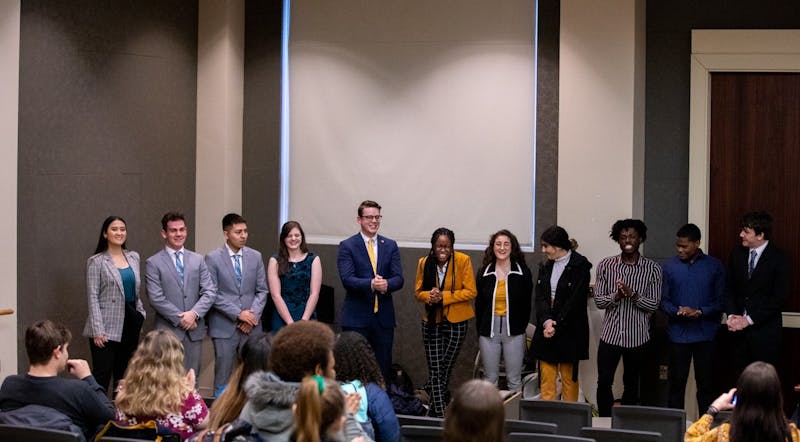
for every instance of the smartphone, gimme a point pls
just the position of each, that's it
(735, 398)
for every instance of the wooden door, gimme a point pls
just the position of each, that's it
(755, 165)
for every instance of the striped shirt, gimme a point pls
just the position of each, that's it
(627, 322)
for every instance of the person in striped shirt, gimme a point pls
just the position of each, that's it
(628, 288)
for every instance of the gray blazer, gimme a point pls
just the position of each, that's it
(106, 295)
(169, 299)
(231, 300)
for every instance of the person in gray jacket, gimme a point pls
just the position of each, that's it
(180, 288)
(300, 349)
(239, 275)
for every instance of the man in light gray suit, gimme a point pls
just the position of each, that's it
(180, 288)
(238, 272)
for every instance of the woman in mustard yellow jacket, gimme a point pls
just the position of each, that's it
(446, 287)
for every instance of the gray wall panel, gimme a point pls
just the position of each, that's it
(106, 125)
(669, 26)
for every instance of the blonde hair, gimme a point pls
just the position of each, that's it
(155, 384)
(320, 405)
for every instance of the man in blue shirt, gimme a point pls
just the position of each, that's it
(692, 298)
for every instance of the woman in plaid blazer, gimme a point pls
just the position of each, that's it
(116, 313)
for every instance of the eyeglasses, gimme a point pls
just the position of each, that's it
(372, 217)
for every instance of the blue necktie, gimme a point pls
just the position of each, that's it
(752, 264)
(237, 268)
(179, 266)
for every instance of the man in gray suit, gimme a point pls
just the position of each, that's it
(238, 272)
(180, 288)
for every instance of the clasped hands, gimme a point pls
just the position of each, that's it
(247, 320)
(435, 296)
(737, 323)
(549, 328)
(688, 312)
(379, 284)
(624, 291)
(188, 320)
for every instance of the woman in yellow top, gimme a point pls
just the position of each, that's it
(446, 286)
(757, 406)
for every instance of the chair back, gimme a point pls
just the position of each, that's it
(425, 421)
(121, 439)
(670, 422)
(421, 433)
(518, 426)
(32, 434)
(569, 416)
(619, 435)
(540, 437)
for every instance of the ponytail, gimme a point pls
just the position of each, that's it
(320, 404)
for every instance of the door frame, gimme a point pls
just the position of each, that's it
(728, 50)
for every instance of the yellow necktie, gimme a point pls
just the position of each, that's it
(371, 253)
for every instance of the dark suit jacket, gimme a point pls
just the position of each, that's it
(355, 271)
(764, 294)
(231, 300)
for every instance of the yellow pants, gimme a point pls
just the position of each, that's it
(547, 378)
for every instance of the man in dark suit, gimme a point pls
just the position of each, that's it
(758, 283)
(180, 288)
(238, 272)
(370, 270)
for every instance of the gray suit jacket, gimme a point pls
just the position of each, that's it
(231, 300)
(169, 299)
(107, 297)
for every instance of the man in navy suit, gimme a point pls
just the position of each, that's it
(238, 272)
(758, 284)
(180, 288)
(370, 270)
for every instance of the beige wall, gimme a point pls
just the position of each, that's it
(220, 89)
(601, 128)
(9, 106)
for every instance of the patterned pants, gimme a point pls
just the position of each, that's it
(442, 344)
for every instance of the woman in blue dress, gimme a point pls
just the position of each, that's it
(294, 275)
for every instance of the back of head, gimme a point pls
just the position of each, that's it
(42, 337)
(253, 356)
(355, 359)
(320, 407)
(154, 381)
(475, 414)
(300, 348)
(758, 414)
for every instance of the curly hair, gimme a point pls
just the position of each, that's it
(355, 360)
(622, 224)
(516, 250)
(155, 382)
(299, 348)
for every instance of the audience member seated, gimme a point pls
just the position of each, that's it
(757, 411)
(475, 414)
(83, 400)
(358, 371)
(320, 412)
(303, 348)
(156, 388)
(253, 357)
